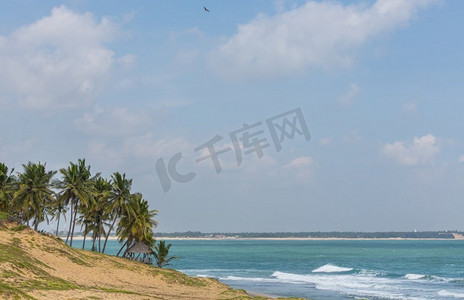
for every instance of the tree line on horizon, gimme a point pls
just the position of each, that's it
(100, 206)
(333, 234)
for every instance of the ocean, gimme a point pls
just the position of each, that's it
(335, 269)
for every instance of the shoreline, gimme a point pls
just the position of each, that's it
(67, 273)
(113, 238)
(302, 239)
(267, 296)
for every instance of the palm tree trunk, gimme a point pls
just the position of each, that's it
(70, 224)
(94, 237)
(111, 228)
(73, 225)
(58, 225)
(85, 236)
(99, 226)
(36, 222)
(121, 248)
(129, 244)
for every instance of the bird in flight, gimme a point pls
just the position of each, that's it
(206, 9)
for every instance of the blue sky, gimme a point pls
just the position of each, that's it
(123, 84)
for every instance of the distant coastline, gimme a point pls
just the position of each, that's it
(305, 239)
(335, 235)
(324, 236)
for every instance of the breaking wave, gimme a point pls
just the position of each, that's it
(329, 268)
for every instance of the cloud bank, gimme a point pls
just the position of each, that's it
(316, 35)
(59, 61)
(420, 151)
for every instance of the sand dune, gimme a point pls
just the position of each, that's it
(43, 267)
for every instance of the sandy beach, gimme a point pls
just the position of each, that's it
(43, 267)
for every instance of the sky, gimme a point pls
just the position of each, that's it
(127, 84)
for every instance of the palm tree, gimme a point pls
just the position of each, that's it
(97, 214)
(34, 193)
(137, 226)
(120, 196)
(85, 219)
(95, 203)
(7, 182)
(58, 209)
(100, 212)
(76, 189)
(161, 253)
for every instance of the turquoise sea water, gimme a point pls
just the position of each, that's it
(328, 269)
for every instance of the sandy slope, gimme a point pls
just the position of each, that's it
(43, 267)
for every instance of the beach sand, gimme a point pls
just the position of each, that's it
(43, 267)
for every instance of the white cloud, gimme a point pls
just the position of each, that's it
(352, 137)
(104, 152)
(146, 146)
(11, 150)
(299, 162)
(127, 61)
(349, 96)
(461, 158)
(316, 35)
(59, 61)
(254, 166)
(326, 141)
(300, 169)
(420, 151)
(117, 121)
(140, 148)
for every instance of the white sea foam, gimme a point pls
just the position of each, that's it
(254, 279)
(329, 268)
(292, 278)
(322, 281)
(371, 272)
(415, 276)
(352, 284)
(434, 278)
(215, 273)
(445, 293)
(363, 284)
(216, 270)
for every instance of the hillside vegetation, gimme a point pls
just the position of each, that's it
(39, 266)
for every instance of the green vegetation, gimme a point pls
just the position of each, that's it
(119, 291)
(33, 193)
(48, 283)
(25, 275)
(8, 274)
(136, 223)
(7, 181)
(172, 276)
(161, 254)
(98, 205)
(3, 216)
(21, 260)
(68, 253)
(19, 227)
(22, 263)
(11, 292)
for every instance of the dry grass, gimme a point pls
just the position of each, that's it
(37, 266)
